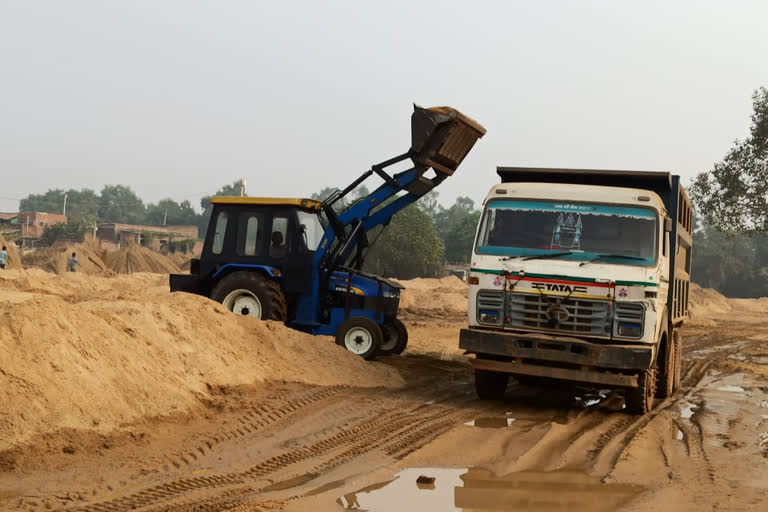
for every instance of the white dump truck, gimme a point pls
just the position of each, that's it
(583, 276)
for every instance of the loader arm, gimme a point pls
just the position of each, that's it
(441, 137)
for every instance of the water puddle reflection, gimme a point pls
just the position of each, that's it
(480, 490)
(491, 422)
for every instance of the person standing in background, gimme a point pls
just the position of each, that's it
(3, 258)
(73, 263)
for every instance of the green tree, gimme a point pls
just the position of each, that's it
(456, 226)
(119, 203)
(64, 231)
(82, 205)
(734, 194)
(169, 212)
(410, 247)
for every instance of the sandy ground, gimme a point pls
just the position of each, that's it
(318, 430)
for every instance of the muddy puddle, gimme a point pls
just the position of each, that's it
(479, 490)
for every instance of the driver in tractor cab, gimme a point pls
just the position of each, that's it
(277, 248)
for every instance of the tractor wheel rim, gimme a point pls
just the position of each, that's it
(243, 302)
(358, 340)
(390, 342)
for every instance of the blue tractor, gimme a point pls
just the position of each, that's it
(300, 261)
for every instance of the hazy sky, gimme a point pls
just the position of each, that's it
(176, 98)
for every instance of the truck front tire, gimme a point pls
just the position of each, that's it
(639, 400)
(490, 385)
(251, 294)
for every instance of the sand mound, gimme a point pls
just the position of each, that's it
(181, 259)
(135, 258)
(95, 360)
(14, 260)
(430, 298)
(705, 303)
(54, 258)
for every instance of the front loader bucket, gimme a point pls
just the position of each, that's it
(441, 137)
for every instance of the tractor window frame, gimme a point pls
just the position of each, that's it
(244, 245)
(219, 232)
(287, 234)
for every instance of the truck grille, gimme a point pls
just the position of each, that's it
(560, 314)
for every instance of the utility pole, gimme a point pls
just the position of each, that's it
(165, 218)
(64, 212)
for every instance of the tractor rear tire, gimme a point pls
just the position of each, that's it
(639, 400)
(251, 294)
(395, 338)
(665, 377)
(360, 335)
(490, 385)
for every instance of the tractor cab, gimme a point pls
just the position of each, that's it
(275, 236)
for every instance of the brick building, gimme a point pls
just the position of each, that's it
(155, 237)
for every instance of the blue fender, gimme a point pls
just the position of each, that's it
(270, 271)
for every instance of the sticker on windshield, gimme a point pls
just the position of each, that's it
(567, 232)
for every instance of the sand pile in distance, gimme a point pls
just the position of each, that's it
(54, 258)
(86, 352)
(705, 303)
(14, 259)
(430, 298)
(134, 258)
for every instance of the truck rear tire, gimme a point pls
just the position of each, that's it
(490, 385)
(251, 294)
(665, 380)
(639, 400)
(395, 338)
(360, 335)
(677, 342)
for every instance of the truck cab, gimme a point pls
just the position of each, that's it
(580, 275)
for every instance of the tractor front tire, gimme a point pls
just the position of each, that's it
(360, 335)
(395, 338)
(251, 294)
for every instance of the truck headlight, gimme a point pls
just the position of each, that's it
(630, 330)
(489, 317)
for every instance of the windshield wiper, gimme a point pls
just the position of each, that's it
(537, 256)
(547, 256)
(617, 256)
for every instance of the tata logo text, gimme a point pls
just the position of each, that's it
(554, 287)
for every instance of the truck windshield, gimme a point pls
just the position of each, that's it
(579, 231)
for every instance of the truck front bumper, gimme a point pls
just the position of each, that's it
(557, 357)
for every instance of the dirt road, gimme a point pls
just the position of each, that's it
(288, 446)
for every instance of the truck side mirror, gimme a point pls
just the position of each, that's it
(667, 225)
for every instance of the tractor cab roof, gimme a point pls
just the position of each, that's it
(308, 204)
